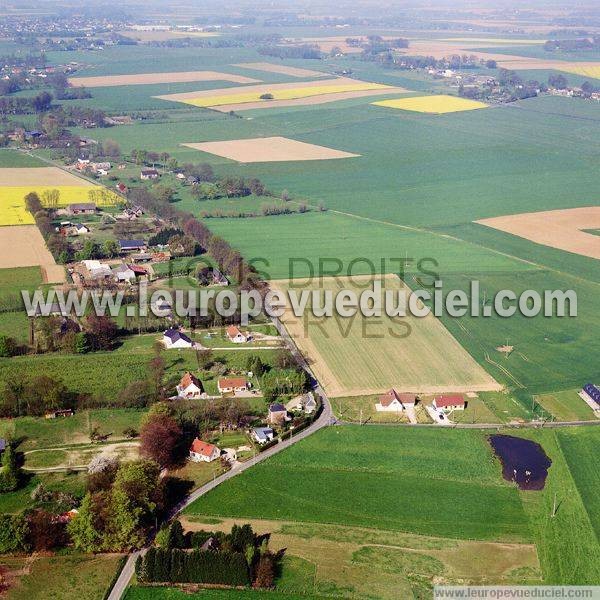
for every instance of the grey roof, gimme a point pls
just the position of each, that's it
(174, 335)
(132, 244)
(276, 407)
(82, 206)
(262, 432)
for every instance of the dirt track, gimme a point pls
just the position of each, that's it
(270, 149)
(561, 229)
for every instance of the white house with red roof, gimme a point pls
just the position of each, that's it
(203, 451)
(392, 401)
(235, 335)
(228, 385)
(190, 387)
(449, 403)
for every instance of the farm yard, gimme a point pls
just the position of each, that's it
(359, 356)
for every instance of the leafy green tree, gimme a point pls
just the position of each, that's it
(7, 346)
(14, 533)
(82, 344)
(10, 474)
(111, 248)
(82, 528)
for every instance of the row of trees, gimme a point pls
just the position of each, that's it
(238, 558)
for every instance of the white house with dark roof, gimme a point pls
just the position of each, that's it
(262, 435)
(173, 338)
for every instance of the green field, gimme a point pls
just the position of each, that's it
(37, 432)
(359, 355)
(158, 593)
(356, 472)
(86, 577)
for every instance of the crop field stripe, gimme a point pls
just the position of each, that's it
(289, 94)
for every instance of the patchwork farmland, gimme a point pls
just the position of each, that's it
(403, 154)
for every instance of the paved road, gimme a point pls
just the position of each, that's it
(325, 418)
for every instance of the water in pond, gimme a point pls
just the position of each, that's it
(523, 461)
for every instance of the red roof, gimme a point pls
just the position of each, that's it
(232, 331)
(189, 379)
(138, 270)
(203, 448)
(233, 382)
(454, 400)
(387, 398)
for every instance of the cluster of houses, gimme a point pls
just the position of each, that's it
(277, 415)
(97, 271)
(174, 338)
(100, 168)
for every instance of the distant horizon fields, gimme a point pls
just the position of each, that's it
(419, 184)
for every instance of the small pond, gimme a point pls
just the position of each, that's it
(523, 461)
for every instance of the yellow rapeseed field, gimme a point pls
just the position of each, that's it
(12, 200)
(282, 94)
(432, 104)
(592, 71)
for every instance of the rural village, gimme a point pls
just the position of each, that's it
(171, 148)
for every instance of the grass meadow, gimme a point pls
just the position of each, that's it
(84, 576)
(356, 473)
(448, 484)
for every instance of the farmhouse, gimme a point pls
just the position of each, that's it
(82, 208)
(97, 270)
(228, 385)
(304, 402)
(449, 403)
(173, 338)
(236, 336)
(392, 401)
(147, 174)
(124, 273)
(190, 387)
(132, 245)
(203, 451)
(591, 394)
(277, 414)
(263, 434)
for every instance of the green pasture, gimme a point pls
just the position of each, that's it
(356, 472)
